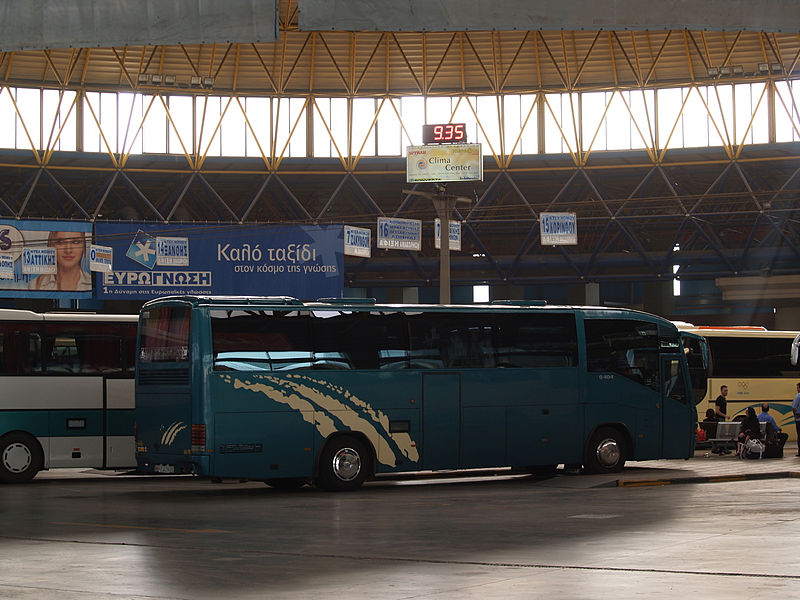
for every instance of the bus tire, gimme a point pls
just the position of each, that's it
(20, 457)
(607, 451)
(343, 465)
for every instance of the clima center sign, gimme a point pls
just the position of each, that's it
(444, 162)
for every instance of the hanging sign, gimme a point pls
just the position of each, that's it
(39, 261)
(172, 251)
(357, 241)
(558, 229)
(7, 266)
(399, 234)
(455, 234)
(101, 258)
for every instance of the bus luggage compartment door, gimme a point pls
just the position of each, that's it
(441, 418)
(120, 449)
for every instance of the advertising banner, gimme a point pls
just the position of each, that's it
(48, 259)
(154, 259)
(444, 162)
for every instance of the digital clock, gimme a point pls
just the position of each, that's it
(446, 133)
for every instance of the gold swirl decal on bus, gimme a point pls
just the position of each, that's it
(320, 403)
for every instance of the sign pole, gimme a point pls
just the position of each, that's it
(444, 206)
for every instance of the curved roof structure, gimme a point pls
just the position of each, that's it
(731, 209)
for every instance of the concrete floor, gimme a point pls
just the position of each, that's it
(76, 535)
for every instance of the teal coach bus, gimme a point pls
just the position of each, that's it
(337, 391)
(66, 391)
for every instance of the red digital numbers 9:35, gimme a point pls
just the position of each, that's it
(445, 133)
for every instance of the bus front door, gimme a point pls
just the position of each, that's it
(441, 409)
(678, 415)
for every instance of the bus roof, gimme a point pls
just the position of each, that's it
(365, 304)
(740, 331)
(14, 314)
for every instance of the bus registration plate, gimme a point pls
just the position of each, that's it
(165, 469)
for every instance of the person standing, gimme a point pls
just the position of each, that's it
(796, 412)
(721, 404)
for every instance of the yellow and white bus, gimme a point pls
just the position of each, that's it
(755, 363)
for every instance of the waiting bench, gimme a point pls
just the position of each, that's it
(726, 436)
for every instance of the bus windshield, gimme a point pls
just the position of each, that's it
(164, 335)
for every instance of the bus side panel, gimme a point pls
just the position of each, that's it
(483, 437)
(52, 392)
(287, 413)
(34, 422)
(264, 445)
(66, 409)
(441, 399)
(521, 417)
(76, 438)
(120, 447)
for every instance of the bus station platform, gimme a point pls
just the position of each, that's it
(704, 467)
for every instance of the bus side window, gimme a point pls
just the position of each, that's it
(89, 348)
(129, 347)
(20, 350)
(624, 346)
(364, 340)
(261, 341)
(536, 340)
(674, 382)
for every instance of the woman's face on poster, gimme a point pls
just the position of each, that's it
(69, 247)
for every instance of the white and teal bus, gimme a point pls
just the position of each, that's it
(337, 391)
(67, 392)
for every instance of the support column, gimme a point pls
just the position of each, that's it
(592, 294)
(410, 295)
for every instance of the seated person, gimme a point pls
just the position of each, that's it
(751, 429)
(709, 425)
(774, 433)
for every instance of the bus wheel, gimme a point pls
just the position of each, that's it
(607, 451)
(343, 465)
(20, 458)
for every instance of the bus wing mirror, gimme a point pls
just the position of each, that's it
(795, 349)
